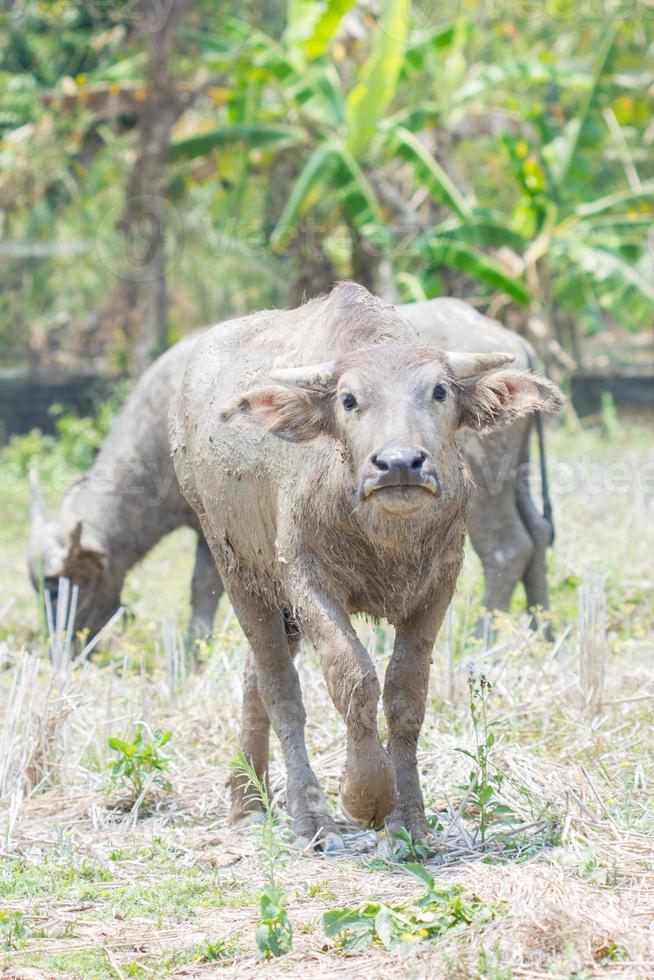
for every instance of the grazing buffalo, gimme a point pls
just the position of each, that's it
(130, 498)
(126, 503)
(319, 449)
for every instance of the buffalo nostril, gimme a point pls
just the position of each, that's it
(379, 464)
(417, 461)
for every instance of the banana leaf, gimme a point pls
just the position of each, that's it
(328, 161)
(484, 230)
(602, 266)
(254, 135)
(312, 25)
(446, 251)
(429, 171)
(378, 77)
(560, 168)
(492, 77)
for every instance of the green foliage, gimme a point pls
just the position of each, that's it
(140, 763)
(313, 23)
(610, 419)
(435, 912)
(445, 250)
(405, 848)
(274, 934)
(330, 161)
(485, 779)
(490, 966)
(12, 929)
(593, 868)
(508, 147)
(378, 77)
(76, 442)
(21, 451)
(79, 437)
(429, 171)
(253, 136)
(219, 951)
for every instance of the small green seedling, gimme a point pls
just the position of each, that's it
(274, 935)
(405, 848)
(141, 763)
(12, 930)
(485, 780)
(219, 951)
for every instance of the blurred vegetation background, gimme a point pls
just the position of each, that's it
(166, 164)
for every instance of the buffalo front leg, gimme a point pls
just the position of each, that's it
(367, 791)
(206, 590)
(278, 688)
(405, 695)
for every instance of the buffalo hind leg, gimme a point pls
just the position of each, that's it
(535, 575)
(504, 546)
(206, 590)
(278, 688)
(254, 742)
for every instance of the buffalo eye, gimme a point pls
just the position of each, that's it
(439, 393)
(349, 402)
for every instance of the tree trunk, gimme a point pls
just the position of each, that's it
(148, 223)
(146, 216)
(311, 271)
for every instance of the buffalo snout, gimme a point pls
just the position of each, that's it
(395, 469)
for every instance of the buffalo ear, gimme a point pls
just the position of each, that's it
(86, 557)
(496, 400)
(75, 538)
(291, 413)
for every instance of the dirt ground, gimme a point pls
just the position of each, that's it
(561, 885)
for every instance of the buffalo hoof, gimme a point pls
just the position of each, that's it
(368, 792)
(247, 818)
(317, 831)
(411, 818)
(245, 812)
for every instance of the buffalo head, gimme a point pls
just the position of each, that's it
(395, 410)
(65, 548)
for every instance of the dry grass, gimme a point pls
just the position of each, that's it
(112, 893)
